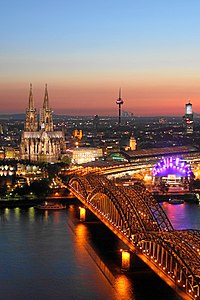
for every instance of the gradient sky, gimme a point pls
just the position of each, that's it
(86, 49)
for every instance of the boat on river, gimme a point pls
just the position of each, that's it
(51, 205)
(176, 201)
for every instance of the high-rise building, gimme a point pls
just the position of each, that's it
(188, 118)
(39, 142)
(96, 122)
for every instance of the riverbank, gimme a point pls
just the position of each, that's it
(25, 202)
(189, 197)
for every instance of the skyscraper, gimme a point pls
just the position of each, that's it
(188, 118)
(41, 143)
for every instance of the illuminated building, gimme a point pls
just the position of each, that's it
(172, 171)
(7, 170)
(2, 154)
(119, 102)
(7, 175)
(84, 155)
(9, 153)
(188, 118)
(29, 173)
(132, 143)
(78, 134)
(43, 143)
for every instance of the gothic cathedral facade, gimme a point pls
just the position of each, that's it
(39, 141)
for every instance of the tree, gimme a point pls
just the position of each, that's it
(66, 160)
(3, 190)
(40, 187)
(22, 190)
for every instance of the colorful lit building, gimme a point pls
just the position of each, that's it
(172, 171)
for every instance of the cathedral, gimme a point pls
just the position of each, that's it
(39, 141)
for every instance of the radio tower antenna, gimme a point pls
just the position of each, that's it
(119, 102)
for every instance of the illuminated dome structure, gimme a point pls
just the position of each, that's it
(172, 171)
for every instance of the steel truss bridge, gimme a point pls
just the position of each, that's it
(136, 218)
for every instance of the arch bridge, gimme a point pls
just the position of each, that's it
(139, 221)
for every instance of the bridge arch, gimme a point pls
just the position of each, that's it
(117, 209)
(153, 209)
(78, 184)
(174, 257)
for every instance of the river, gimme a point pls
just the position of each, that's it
(51, 255)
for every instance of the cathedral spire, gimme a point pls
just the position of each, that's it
(46, 98)
(46, 120)
(31, 123)
(31, 104)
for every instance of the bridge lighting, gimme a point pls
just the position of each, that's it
(141, 241)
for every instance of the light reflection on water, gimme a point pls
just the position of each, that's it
(124, 287)
(51, 255)
(183, 216)
(39, 259)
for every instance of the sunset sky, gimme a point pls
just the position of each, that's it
(85, 50)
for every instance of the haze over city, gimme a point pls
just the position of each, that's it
(86, 50)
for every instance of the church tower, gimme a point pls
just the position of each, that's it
(46, 120)
(132, 143)
(41, 144)
(31, 123)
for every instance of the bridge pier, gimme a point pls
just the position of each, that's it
(82, 214)
(126, 260)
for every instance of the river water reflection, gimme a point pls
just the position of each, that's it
(51, 255)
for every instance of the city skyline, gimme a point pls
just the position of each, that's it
(86, 51)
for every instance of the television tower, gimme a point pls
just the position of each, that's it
(119, 102)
